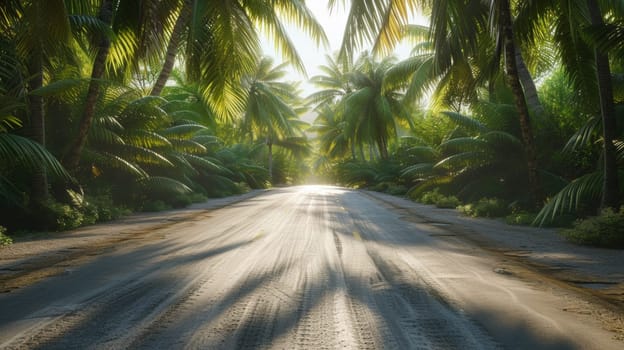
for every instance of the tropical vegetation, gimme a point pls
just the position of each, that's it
(503, 108)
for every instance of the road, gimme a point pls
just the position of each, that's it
(305, 267)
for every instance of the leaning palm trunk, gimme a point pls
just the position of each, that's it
(513, 80)
(610, 187)
(172, 49)
(72, 157)
(528, 85)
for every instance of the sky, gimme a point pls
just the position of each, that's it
(312, 56)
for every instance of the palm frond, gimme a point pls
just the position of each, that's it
(145, 156)
(105, 160)
(145, 139)
(206, 164)
(465, 121)
(182, 132)
(418, 170)
(458, 161)
(584, 135)
(17, 151)
(463, 144)
(161, 184)
(427, 184)
(188, 146)
(581, 190)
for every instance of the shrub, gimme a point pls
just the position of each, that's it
(605, 230)
(451, 202)
(520, 218)
(105, 209)
(439, 200)
(486, 207)
(63, 217)
(242, 187)
(431, 197)
(4, 239)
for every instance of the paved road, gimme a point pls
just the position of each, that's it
(305, 267)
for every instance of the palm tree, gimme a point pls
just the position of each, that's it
(105, 15)
(221, 41)
(270, 112)
(453, 87)
(570, 34)
(334, 83)
(610, 188)
(372, 111)
(118, 31)
(333, 141)
(505, 38)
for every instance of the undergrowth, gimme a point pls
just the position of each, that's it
(605, 230)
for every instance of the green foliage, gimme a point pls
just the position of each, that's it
(380, 175)
(104, 208)
(4, 239)
(439, 200)
(479, 157)
(486, 207)
(576, 195)
(520, 218)
(450, 202)
(605, 230)
(430, 197)
(62, 217)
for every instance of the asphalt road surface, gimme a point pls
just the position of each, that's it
(305, 267)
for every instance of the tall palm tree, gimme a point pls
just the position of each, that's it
(572, 20)
(506, 40)
(118, 33)
(270, 112)
(105, 16)
(610, 187)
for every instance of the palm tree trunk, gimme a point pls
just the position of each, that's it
(72, 157)
(172, 49)
(270, 146)
(36, 126)
(383, 148)
(528, 85)
(610, 186)
(513, 80)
